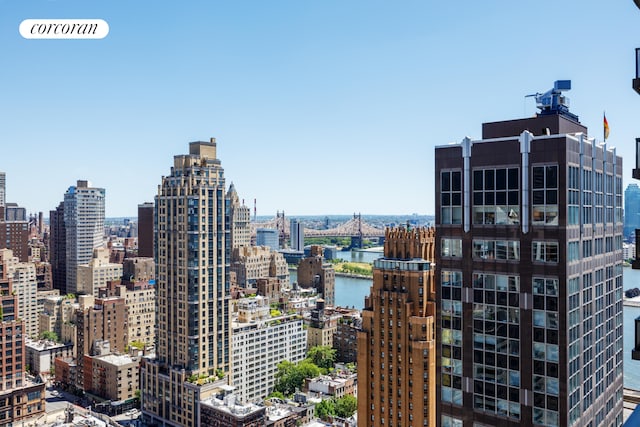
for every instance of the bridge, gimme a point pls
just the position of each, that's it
(354, 228)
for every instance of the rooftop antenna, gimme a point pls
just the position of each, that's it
(553, 102)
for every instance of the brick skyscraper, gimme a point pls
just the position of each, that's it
(396, 346)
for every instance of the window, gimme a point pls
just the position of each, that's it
(496, 196)
(545, 251)
(451, 197)
(451, 247)
(545, 195)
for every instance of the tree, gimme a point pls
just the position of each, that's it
(322, 356)
(346, 406)
(49, 335)
(290, 376)
(325, 409)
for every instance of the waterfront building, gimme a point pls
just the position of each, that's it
(193, 296)
(269, 237)
(396, 347)
(250, 263)
(296, 234)
(260, 342)
(84, 228)
(530, 331)
(58, 248)
(145, 230)
(314, 272)
(240, 215)
(97, 272)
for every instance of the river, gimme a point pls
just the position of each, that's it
(350, 292)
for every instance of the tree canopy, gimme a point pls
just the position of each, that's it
(322, 356)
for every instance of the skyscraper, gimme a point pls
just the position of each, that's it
(84, 227)
(396, 346)
(530, 331)
(631, 210)
(193, 295)
(145, 230)
(58, 248)
(3, 188)
(297, 235)
(240, 216)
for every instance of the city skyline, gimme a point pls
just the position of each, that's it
(360, 92)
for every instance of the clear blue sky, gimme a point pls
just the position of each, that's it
(318, 107)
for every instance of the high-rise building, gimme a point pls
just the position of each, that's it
(314, 272)
(269, 237)
(19, 397)
(251, 263)
(260, 343)
(396, 346)
(25, 287)
(84, 227)
(530, 331)
(240, 215)
(193, 295)
(145, 230)
(14, 230)
(297, 235)
(3, 188)
(58, 248)
(97, 272)
(631, 210)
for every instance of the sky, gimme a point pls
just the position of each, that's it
(317, 107)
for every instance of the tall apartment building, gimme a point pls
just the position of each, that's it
(145, 230)
(84, 227)
(3, 188)
(251, 263)
(240, 215)
(315, 272)
(530, 331)
(58, 248)
(19, 397)
(296, 234)
(97, 272)
(631, 211)
(396, 347)
(140, 298)
(138, 269)
(193, 295)
(14, 230)
(260, 342)
(25, 287)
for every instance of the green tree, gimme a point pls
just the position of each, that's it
(322, 356)
(290, 376)
(50, 335)
(277, 395)
(346, 406)
(325, 409)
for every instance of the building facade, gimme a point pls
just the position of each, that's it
(84, 227)
(631, 210)
(251, 263)
(240, 215)
(58, 248)
(145, 230)
(396, 347)
(531, 324)
(314, 272)
(269, 237)
(193, 294)
(97, 272)
(296, 234)
(260, 342)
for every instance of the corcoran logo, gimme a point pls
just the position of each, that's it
(64, 29)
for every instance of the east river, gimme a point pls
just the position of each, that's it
(350, 292)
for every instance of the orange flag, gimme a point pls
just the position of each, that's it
(606, 128)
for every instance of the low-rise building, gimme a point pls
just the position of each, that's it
(112, 377)
(337, 386)
(224, 409)
(41, 355)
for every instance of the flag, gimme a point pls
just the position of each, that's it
(606, 128)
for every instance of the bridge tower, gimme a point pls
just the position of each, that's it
(357, 240)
